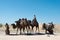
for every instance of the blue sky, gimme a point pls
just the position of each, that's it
(45, 10)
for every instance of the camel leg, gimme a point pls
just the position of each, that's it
(28, 29)
(32, 29)
(37, 29)
(23, 29)
(46, 31)
(17, 31)
(51, 32)
(20, 30)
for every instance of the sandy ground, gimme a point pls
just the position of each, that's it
(43, 36)
(56, 35)
(30, 37)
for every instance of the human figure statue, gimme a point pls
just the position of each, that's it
(7, 31)
(48, 28)
(34, 23)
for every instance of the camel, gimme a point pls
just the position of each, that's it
(48, 28)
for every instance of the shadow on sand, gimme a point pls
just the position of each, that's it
(28, 34)
(35, 34)
(13, 34)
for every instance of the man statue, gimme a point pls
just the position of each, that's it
(7, 29)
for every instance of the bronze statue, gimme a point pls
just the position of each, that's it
(7, 31)
(48, 28)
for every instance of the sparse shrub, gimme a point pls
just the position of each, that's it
(1, 25)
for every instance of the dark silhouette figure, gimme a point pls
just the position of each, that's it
(17, 25)
(24, 24)
(34, 23)
(29, 24)
(14, 26)
(7, 29)
(21, 24)
(51, 26)
(48, 28)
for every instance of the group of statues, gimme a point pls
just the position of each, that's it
(48, 27)
(24, 23)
